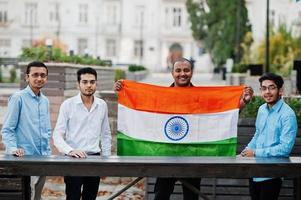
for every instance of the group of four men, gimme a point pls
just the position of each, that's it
(26, 129)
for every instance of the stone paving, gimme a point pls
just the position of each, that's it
(54, 189)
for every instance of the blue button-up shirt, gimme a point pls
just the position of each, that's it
(27, 123)
(276, 130)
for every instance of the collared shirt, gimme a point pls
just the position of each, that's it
(276, 130)
(173, 85)
(78, 128)
(27, 123)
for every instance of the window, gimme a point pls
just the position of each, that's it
(26, 43)
(173, 17)
(54, 15)
(177, 17)
(83, 13)
(5, 45)
(110, 48)
(3, 13)
(138, 48)
(111, 14)
(139, 16)
(31, 14)
(4, 42)
(82, 46)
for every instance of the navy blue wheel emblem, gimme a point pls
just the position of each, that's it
(176, 128)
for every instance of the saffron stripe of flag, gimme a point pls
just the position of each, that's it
(178, 100)
(164, 121)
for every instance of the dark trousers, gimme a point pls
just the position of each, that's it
(164, 188)
(74, 186)
(265, 190)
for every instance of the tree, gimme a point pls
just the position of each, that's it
(284, 49)
(220, 26)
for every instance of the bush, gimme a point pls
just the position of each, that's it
(119, 74)
(13, 75)
(1, 78)
(57, 55)
(295, 104)
(250, 111)
(134, 68)
(239, 68)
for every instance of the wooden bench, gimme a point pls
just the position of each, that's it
(233, 189)
(14, 188)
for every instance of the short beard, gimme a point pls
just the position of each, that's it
(88, 95)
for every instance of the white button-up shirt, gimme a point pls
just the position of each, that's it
(77, 128)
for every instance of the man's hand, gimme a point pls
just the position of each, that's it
(118, 85)
(246, 97)
(247, 94)
(247, 153)
(77, 154)
(18, 153)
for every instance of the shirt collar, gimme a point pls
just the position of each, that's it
(276, 107)
(78, 100)
(173, 85)
(29, 91)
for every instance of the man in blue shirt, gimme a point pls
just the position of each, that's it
(276, 128)
(26, 128)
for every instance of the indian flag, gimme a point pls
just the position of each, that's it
(176, 121)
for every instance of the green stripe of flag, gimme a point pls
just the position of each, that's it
(127, 146)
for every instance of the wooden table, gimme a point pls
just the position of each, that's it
(124, 166)
(132, 166)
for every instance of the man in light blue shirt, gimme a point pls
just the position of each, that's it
(276, 128)
(26, 129)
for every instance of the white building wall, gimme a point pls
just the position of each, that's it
(116, 20)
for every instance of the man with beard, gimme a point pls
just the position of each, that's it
(276, 128)
(182, 71)
(26, 129)
(82, 124)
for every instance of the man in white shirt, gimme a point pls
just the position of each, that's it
(82, 124)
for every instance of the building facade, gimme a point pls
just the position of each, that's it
(149, 33)
(124, 31)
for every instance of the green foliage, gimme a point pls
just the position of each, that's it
(250, 110)
(295, 104)
(247, 56)
(13, 75)
(239, 68)
(216, 25)
(284, 49)
(1, 76)
(134, 68)
(37, 53)
(57, 55)
(119, 74)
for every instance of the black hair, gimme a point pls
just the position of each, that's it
(86, 70)
(35, 64)
(278, 80)
(182, 59)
